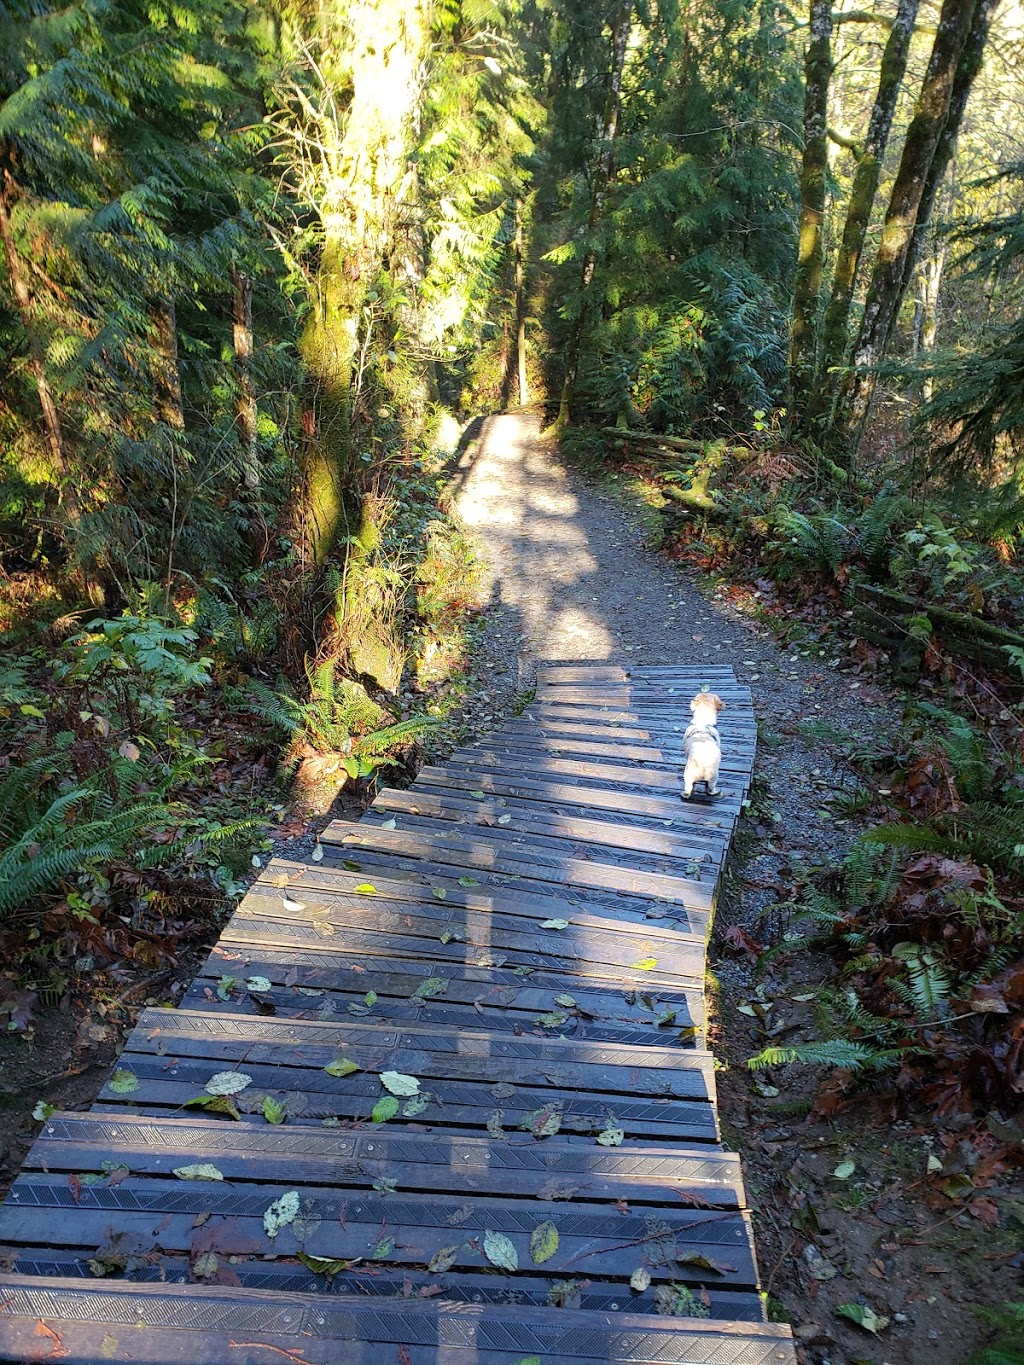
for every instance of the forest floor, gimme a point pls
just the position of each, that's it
(569, 575)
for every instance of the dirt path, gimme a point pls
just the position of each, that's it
(569, 577)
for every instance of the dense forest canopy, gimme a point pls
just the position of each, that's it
(263, 261)
(246, 246)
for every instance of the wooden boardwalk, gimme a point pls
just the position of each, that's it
(504, 964)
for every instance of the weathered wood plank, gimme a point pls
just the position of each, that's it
(523, 1168)
(552, 823)
(371, 1281)
(203, 1325)
(504, 987)
(346, 1224)
(473, 854)
(361, 919)
(577, 794)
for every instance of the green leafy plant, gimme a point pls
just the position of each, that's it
(1007, 1346)
(330, 719)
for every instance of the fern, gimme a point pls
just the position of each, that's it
(1007, 1319)
(928, 985)
(838, 1052)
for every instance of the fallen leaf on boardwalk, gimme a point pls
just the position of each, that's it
(399, 1084)
(543, 1122)
(439, 893)
(434, 985)
(450, 936)
(341, 1066)
(553, 1020)
(702, 1262)
(412, 1108)
(555, 924)
(383, 1249)
(365, 889)
(289, 904)
(500, 1251)
(646, 964)
(528, 1360)
(274, 1111)
(321, 1266)
(494, 1127)
(280, 1213)
(318, 854)
(200, 1171)
(692, 1199)
(504, 819)
(863, 1316)
(468, 881)
(612, 1136)
(567, 1001)
(109, 1346)
(205, 1266)
(543, 1242)
(214, 1104)
(478, 795)
(227, 1083)
(558, 1189)
(389, 824)
(384, 1184)
(503, 1091)
(123, 1081)
(460, 1215)
(385, 1108)
(370, 998)
(443, 1260)
(640, 1280)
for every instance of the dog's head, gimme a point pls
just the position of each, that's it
(706, 706)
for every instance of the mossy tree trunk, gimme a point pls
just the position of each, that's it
(245, 399)
(967, 70)
(603, 171)
(524, 388)
(885, 290)
(18, 283)
(357, 158)
(166, 374)
(811, 248)
(835, 338)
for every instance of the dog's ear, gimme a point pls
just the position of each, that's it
(719, 703)
(697, 700)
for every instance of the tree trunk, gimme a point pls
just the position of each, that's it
(886, 288)
(363, 177)
(862, 198)
(245, 400)
(813, 176)
(930, 285)
(166, 375)
(524, 392)
(604, 169)
(968, 68)
(51, 417)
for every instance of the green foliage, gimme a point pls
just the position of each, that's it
(49, 834)
(335, 708)
(694, 247)
(1007, 1347)
(839, 1052)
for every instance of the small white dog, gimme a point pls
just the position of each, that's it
(702, 746)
